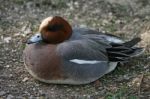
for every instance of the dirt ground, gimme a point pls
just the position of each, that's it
(19, 19)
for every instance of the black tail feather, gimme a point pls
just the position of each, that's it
(117, 54)
(123, 52)
(132, 42)
(117, 59)
(119, 48)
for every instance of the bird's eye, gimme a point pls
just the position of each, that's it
(55, 27)
(38, 36)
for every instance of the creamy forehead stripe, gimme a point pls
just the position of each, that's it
(45, 22)
(79, 61)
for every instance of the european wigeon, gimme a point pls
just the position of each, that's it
(61, 54)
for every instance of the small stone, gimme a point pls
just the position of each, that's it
(104, 22)
(7, 66)
(27, 31)
(83, 26)
(7, 39)
(25, 79)
(34, 89)
(20, 97)
(118, 21)
(40, 97)
(11, 75)
(10, 96)
(2, 93)
(126, 77)
(31, 97)
(1, 62)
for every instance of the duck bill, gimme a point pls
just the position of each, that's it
(35, 39)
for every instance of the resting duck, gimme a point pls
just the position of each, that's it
(61, 54)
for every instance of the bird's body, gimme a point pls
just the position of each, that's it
(83, 57)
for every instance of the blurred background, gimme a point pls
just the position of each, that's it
(19, 19)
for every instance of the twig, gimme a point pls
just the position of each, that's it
(140, 83)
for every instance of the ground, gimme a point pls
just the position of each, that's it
(19, 19)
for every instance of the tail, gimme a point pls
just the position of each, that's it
(123, 52)
(133, 42)
(136, 50)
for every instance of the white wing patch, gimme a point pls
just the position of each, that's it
(114, 40)
(79, 61)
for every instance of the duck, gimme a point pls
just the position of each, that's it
(61, 54)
